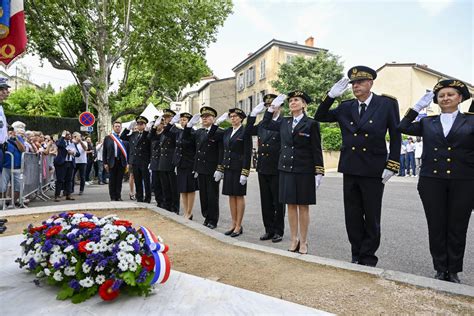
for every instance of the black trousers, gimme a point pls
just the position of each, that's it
(64, 174)
(115, 180)
(448, 206)
(142, 179)
(81, 168)
(170, 191)
(156, 187)
(209, 198)
(362, 209)
(273, 212)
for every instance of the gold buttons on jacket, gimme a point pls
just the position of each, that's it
(435, 171)
(449, 148)
(355, 134)
(448, 171)
(353, 148)
(435, 149)
(366, 135)
(364, 149)
(352, 123)
(435, 159)
(370, 121)
(448, 159)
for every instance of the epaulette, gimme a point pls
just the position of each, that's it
(469, 113)
(350, 100)
(389, 96)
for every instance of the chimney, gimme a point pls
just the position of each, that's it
(309, 41)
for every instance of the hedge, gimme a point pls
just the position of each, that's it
(49, 125)
(331, 138)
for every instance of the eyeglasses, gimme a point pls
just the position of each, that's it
(233, 115)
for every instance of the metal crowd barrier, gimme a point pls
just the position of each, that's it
(4, 199)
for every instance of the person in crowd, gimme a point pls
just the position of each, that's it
(418, 153)
(208, 153)
(101, 172)
(91, 154)
(155, 133)
(410, 158)
(446, 180)
(300, 162)
(236, 163)
(403, 158)
(364, 122)
(4, 93)
(11, 169)
(183, 160)
(115, 159)
(81, 162)
(139, 157)
(273, 212)
(64, 164)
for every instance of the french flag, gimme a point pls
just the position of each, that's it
(13, 44)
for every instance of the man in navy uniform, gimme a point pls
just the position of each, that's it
(140, 153)
(273, 212)
(115, 158)
(208, 152)
(364, 122)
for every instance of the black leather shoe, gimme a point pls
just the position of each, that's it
(205, 223)
(119, 199)
(441, 275)
(277, 238)
(235, 234)
(453, 277)
(211, 226)
(3, 221)
(2, 229)
(266, 236)
(229, 232)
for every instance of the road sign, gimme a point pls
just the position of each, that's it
(89, 129)
(87, 119)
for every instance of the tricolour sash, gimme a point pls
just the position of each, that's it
(120, 146)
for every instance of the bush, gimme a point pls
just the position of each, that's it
(331, 138)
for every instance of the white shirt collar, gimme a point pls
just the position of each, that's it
(367, 102)
(299, 117)
(447, 121)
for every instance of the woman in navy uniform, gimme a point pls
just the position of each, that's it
(183, 160)
(236, 163)
(154, 137)
(300, 164)
(446, 184)
(273, 212)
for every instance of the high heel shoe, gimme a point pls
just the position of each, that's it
(304, 253)
(296, 249)
(229, 232)
(238, 233)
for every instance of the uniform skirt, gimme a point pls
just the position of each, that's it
(185, 181)
(232, 184)
(297, 188)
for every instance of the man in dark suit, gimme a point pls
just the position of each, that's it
(364, 122)
(208, 152)
(273, 212)
(139, 157)
(115, 156)
(64, 164)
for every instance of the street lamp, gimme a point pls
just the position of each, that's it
(87, 85)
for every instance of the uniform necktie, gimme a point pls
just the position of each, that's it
(363, 106)
(295, 122)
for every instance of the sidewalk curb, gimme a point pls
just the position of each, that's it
(406, 278)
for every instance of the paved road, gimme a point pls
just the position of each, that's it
(404, 244)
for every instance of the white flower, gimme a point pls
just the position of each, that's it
(138, 259)
(100, 279)
(113, 236)
(73, 260)
(77, 215)
(133, 266)
(123, 245)
(70, 271)
(121, 255)
(130, 258)
(49, 221)
(102, 247)
(58, 276)
(121, 228)
(58, 220)
(84, 219)
(29, 241)
(86, 268)
(87, 282)
(122, 266)
(68, 248)
(90, 246)
(47, 272)
(40, 274)
(43, 264)
(130, 239)
(99, 268)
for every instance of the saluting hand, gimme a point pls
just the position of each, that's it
(194, 120)
(148, 126)
(222, 118)
(258, 109)
(157, 121)
(424, 102)
(132, 125)
(339, 88)
(175, 119)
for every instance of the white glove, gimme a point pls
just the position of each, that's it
(243, 180)
(148, 126)
(196, 175)
(194, 120)
(132, 125)
(258, 109)
(318, 178)
(222, 118)
(175, 119)
(157, 121)
(386, 175)
(218, 176)
(339, 88)
(424, 102)
(63, 134)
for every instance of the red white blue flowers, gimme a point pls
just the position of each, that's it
(85, 255)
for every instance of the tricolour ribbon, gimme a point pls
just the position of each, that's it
(162, 262)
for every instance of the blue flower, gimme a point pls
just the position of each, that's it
(117, 285)
(74, 284)
(32, 264)
(142, 276)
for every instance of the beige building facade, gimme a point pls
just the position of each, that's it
(253, 75)
(408, 82)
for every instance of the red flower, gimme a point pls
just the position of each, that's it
(106, 291)
(70, 214)
(87, 225)
(148, 262)
(37, 229)
(82, 246)
(122, 223)
(53, 231)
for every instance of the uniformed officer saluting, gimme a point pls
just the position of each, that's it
(300, 163)
(364, 122)
(446, 184)
(139, 158)
(155, 131)
(208, 153)
(273, 212)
